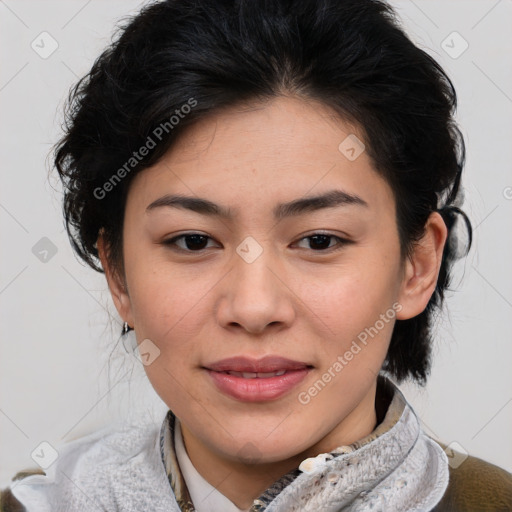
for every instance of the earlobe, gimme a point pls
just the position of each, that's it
(422, 268)
(116, 286)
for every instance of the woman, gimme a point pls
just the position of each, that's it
(272, 190)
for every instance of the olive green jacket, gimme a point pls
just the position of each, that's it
(476, 486)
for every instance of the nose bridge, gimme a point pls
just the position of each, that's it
(253, 263)
(256, 296)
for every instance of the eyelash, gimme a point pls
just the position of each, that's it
(341, 242)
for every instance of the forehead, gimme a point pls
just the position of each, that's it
(267, 153)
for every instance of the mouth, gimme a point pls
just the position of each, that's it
(258, 375)
(270, 364)
(256, 380)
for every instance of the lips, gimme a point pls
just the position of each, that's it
(257, 380)
(249, 368)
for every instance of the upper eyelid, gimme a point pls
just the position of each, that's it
(320, 232)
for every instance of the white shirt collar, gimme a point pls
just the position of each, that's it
(206, 498)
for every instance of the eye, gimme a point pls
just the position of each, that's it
(196, 242)
(191, 242)
(319, 242)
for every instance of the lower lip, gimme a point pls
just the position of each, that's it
(257, 390)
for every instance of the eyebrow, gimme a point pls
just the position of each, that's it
(331, 199)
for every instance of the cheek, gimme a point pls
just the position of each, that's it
(351, 297)
(360, 317)
(165, 301)
(167, 309)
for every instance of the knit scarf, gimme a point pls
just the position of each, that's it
(397, 467)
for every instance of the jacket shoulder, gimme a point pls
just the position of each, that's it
(475, 485)
(8, 502)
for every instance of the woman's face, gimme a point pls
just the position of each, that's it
(318, 285)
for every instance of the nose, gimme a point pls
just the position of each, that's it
(255, 295)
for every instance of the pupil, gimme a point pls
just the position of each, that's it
(323, 238)
(196, 240)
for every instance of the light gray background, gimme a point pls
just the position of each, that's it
(59, 327)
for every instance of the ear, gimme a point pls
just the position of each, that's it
(116, 283)
(422, 269)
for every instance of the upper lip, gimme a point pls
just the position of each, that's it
(265, 364)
